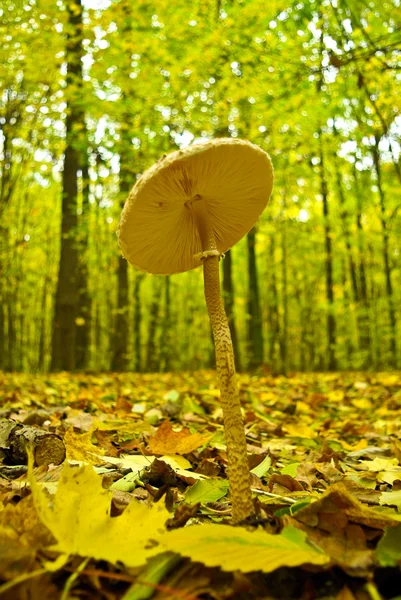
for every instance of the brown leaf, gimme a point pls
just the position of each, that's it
(286, 481)
(345, 594)
(168, 441)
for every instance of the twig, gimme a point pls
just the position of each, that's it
(121, 577)
(20, 579)
(286, 498)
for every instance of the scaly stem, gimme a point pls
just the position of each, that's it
(238, 469)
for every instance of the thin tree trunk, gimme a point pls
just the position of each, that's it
(83, 319)
(2, 307)
(42, 333)
(386, 255)
(365, 342)
(165, 336)
(120, 357)
(2, 331)
(255, 333)
(284, 278)
(347, 237)
(137, 323)
(64, 329)
(228, 297)
(274, 319)
(331, 323)
(152, 363)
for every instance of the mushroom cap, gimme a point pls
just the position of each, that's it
(157, 231)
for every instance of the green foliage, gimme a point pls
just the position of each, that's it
(315, 84)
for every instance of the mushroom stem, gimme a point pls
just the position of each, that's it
(238, 468)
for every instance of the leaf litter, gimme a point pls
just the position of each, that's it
(141, 507)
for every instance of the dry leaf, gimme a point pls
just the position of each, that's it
(168, 441)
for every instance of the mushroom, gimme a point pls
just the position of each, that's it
(187, 210)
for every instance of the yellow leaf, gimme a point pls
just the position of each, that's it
(300, 430)
(79, 519)
(238, 549)
(336, 396)
(379, 464)
(79, 447)
(362, 403)
(361, 445)
(176, 462)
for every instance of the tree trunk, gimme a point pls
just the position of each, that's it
(137, 322)
(83, 320)
(274, 318)
(347, 237)
(152, 363)
(120, 357)
(64, 328)
(386, 256)
(165, 336)
(365, 342)
(331, 323)
(228, 297)
(2, 331)
(284, 336)
(255, 333)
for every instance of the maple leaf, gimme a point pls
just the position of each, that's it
(79, 519)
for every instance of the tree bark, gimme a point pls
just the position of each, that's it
(386, 255)
(365, 341)
(120, 359)
(284, 336)
(152, 362)
(165, 335)
(331, 323)
(83, 320)
(64, 327)
(274, 317)
(255, 333)
(137, 323)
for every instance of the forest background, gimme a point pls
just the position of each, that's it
(92, 94)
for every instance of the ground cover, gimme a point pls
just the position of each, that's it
(126, 492)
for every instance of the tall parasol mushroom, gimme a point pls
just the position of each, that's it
(187, 210)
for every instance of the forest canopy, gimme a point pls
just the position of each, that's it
(93, 93)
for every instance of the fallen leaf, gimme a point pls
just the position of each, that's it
(207, 491)
(388, 551)
(80, 448)
(79, 519)
(234, 549)
(168, 441)
(391, 499)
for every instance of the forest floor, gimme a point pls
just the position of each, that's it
(138, 506)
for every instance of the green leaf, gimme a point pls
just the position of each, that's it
(264, 466)
(290, 510)
(388, 551)
(172, 396)
(232, 548)
(290, 469)
(126, 484)
(206, 491)
(156, 569)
